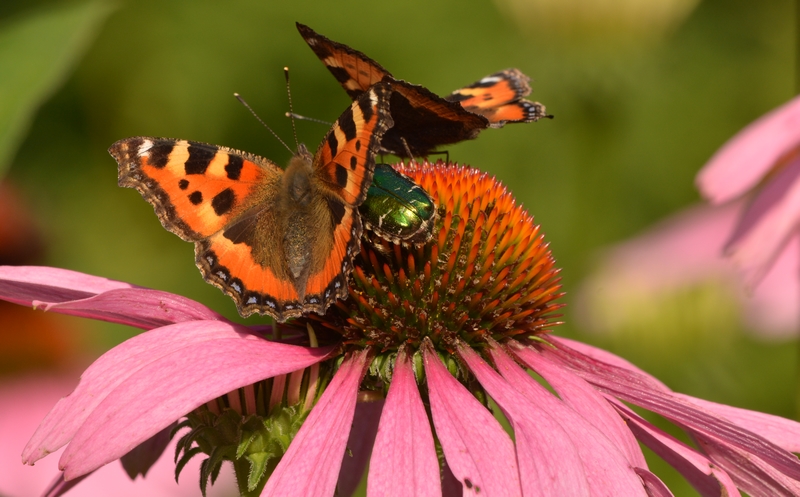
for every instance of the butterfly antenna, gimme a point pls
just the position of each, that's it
(305, 118)
(241, 100)
(291, 111)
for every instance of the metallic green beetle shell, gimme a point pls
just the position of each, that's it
(397, 209)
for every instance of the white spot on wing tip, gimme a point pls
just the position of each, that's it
(144, 148)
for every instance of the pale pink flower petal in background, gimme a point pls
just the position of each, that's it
(767, 223)
(31, 398)
(684, 250)
(747, 157)
(761, 162)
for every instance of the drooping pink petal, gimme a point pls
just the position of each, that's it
(59, 486)
(24, 284)
(404, 457)
(747, 157)
(750, 473)
(548, 458)
(139, 307)
(773, 308)
(359, 446)
(708, 479)
(609, 358)
(586, 401)
(767, 223)
(566, 455)
(655, 487)
(111, 369)
(77, 294)
(170, 385)
(636, 389)
(311, 465)
(781, 431)
(480, 454)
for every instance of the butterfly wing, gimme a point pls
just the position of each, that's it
(212, 196)
(352, 69)
(195, 188)
(498, 97)
(342, 173)
(422, 119)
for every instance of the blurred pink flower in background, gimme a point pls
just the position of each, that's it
(683, 251)
(762, 163)
(747, 241)
(25, 400)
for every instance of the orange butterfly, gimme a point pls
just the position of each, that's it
(278, 242)
(422, 119)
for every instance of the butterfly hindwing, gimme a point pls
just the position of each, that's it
(277, 242)
(499, 98)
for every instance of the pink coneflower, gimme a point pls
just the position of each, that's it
(438, 330)
(761, 162)
(683, 252)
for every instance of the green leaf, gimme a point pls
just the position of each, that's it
(37, 52)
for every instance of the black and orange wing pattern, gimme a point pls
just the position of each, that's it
(422, 119)
(245, 223)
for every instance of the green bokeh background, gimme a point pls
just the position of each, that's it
(638, 112)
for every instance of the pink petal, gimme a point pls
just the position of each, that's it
(749, 472)
(168, 386)
(702, 474)
(773, 309)
(311, 465)
(480, 454)
(782, 432)
(110, 370)
(747, 157)
(609, 358)
(359, 446)
(634, 388)
(587, 402)
(77, 294)
(26, 400)
(139, 307)
(655, 487)
(767, 223)
(404, 457)
(683, 250)
(24, 284)
(566, 455)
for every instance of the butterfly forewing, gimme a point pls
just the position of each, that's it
(352, 69)
(195, 188)
(343, 166)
